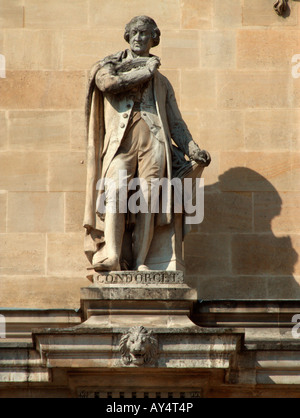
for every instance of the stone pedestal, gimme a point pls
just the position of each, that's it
(130, 298)
(132, 321)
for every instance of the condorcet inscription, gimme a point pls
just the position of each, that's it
(135, 277)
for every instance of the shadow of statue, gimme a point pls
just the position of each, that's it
(234, 253)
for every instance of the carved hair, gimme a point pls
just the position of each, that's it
(146, 20)
(133, 334)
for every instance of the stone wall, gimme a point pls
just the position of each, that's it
(230, 62)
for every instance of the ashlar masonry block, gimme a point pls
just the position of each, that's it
(166, 15)
(259, 89)
(3, 210)
(56, 14)
(33, 49)
(43, 90)
(23, 171)
(196, 14)
(39, 130)
(35, 212)
(261, 13)
(28, 249)
(3, 132)
(11, 13)
(267, 49)
(198, 90)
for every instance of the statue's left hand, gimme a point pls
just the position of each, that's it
(153, 64)
(201, 157)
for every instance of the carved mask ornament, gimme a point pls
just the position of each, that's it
(138, 347)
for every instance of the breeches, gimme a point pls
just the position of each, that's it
(140, 155)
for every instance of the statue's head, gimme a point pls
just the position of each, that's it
(142, 34)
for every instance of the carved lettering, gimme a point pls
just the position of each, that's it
(154, 277)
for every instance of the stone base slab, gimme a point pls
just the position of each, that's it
(152, 297)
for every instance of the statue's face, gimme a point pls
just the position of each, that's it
(140, 38)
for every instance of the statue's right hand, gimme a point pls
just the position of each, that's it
(153, 64)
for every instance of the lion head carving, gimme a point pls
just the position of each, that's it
(138, 346)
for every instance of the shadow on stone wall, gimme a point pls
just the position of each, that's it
(234, 253)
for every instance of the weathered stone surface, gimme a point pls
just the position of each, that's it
(196, 80)
(220, 129)
(232, 286)
(3, 131)
(227, 14)
(3, 210)
(65, 255)
(135, 277)
(35, 212)
(82, 48)
(42, 90)
(78, 137)
(218, 47)
(38, 291)
(138, 293)
(265, 254)
(207, 254)
(202, 349)
(23, 171)
(226, 212)
(276, 212)
(295, 186)
(276, 129)
(168, 14)
(30, 249)
(256, 171)
(151, 299)
(33, 49)
(74, 209)
(265, 49)
(258, 13)
(19, 322)
(180, 49)
(11, 14)
(196, 14)
(56, 14)
(42, 130)
(67, 171)
(295, 94)
(257, 89)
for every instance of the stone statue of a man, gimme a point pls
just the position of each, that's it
(132, 118)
